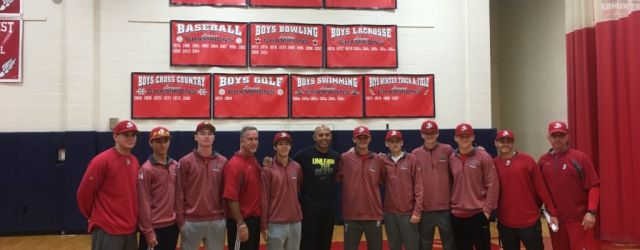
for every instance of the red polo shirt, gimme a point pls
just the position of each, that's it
(242, 184)
(522, 191)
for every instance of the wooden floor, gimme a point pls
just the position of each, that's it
(83, 242)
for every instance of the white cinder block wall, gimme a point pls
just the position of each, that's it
(79, 54)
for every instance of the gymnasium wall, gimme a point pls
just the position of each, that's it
(79, 54)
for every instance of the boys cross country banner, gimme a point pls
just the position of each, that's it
(361, 4)
(169, 95)
(208, 43)
(399, 96)
(286, 45)
(209, 2)
(287, 3)
(362, 46)
(10, 50)
(326, 96)
(11, 7)
(251, 96)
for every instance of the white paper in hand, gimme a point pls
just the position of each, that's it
(554, 227)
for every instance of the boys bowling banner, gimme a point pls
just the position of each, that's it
(286, 45)
(287, 3)
(326, 96)
(251, 96)
(361, 4)
(399, 96)
(11, 7)
(10, 50)
(170, 95)
(208, 43)
(362, 46)
(209, 2)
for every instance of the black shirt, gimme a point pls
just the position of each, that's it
(318, 192)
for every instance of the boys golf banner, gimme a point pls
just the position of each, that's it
(170, 95)
(286, 45)
(251, 96)
(326, 96)
(362, 46)
(287, 3)
(209, 2)
(11, 50)
(399, 96)
(208, 43)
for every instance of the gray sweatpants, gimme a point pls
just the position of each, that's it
(428, 223)
(101, 240)
(353, 230)
(401, 232)
(210, 232)
(284, 236)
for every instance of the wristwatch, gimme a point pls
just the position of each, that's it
(592, 212)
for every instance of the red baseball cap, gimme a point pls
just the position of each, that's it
(464, 129)
(159, 132)
(125, 126)
(282, 136)
(205, 125)
(393, 134)
(505, 133)
(361, 130)
(558, 126)
(429, 126)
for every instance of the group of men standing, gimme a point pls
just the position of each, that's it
(291, 200)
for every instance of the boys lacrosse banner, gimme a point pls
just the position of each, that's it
(287, 3)
(208, 43)
(399, 96)
(361, 4)
(11, 50)
(286, 45)
(170, 95)
(251, 96)
(209, 2)
(362, 46)
(326, 96)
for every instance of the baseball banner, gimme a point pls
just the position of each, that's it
(399, 96)
(11, 7)
(208, 43)
(251, 96)
(10, 50)
(209, 2)
(362, 46)
(326, 96)
(361, 4)
(170, 95)
(287, 3)
(286, 45)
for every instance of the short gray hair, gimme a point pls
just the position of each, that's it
(244, 130)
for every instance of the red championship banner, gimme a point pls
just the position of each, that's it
(326, 96)
(11, 7)
(286, 45)
(169, 95)
(209, 2)
(10, 50)
(287, 3)
(362, 46)
(399, 96)
(361, 4)
(251, 96)
(208, 43)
